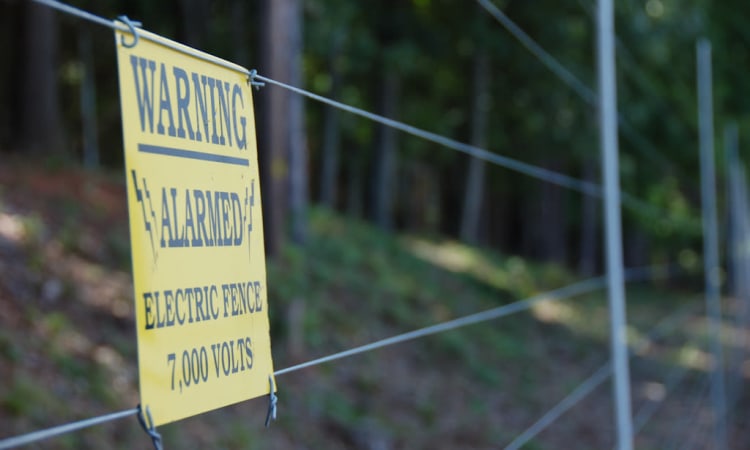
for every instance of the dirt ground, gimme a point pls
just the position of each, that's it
(67, 352)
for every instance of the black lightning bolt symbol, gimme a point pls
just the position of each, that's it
(146, 221)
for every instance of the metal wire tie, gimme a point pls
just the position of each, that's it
(252, 79)
(133, 25)
(272, 401)
(149, 427)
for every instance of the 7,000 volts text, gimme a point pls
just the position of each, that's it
(197, 365)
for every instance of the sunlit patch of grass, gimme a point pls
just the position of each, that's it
(12, 227)
(584, 316)
(554, 312)
(450, 256)
(512, 274)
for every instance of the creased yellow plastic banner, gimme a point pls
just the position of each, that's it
(195, 227)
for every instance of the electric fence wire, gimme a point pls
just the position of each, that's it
(504, 161)
(675, 376)
(696, 393)
(585, 187)
(643, 415)
(572, 399)
(694, 434)
(541, 173)
(587, 94)
(582, 287)
(558, 294)
(636, 73)
(534, 171)
(64, 429)
(683, 397)
(550, 176)
(663, 327)
(566, 181)
(586, 286)
(571, 290)
(130, 27)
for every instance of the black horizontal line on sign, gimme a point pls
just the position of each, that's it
(189, 154)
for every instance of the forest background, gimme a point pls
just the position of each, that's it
(431, 63)
(339, 191)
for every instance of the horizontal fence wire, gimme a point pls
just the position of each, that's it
(675, 376)
(692, 423)
(572, 290)
(64, 429)
(582, 287)
(587, 94)
(117, 25)
(540, 173)
(693, 394)
(504, 161)
(697, 392)
(579, 288)
(582, 391)
(664, 326)
(585, 187)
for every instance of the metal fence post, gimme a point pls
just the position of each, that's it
(711, 238)
(612, 217)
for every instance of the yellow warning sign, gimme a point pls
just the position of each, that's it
(195, 227)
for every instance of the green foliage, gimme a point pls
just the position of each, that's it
(33, 230)
(430, 45)
(17, 399)
(118, 247)
(24, 398)
(10, 350)
(350, 274)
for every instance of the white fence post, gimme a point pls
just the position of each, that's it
(711, 238)
(612, 217)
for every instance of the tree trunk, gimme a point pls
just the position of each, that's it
(194, 22)
(355, 184)
(419, 198)
(11, 15)
(553, 227)
(88, 100)
(385, 155)
(238, 23)
(636, 248)
(544, 225)
(281, 44)
(589, 241)
(41, 130)
(298, 184)
(474, 190)
(331, 137)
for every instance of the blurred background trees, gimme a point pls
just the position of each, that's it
(445, 66)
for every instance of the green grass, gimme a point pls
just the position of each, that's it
(356, 285)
